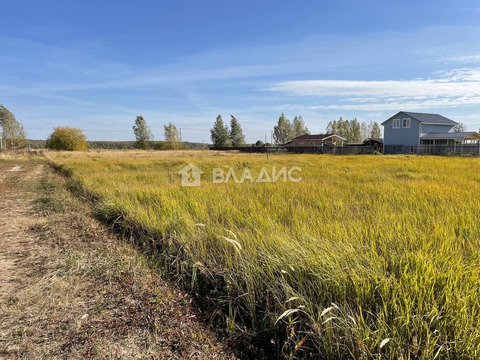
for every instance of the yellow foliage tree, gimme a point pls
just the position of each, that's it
(68, 139)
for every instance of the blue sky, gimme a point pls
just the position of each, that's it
(96, 65)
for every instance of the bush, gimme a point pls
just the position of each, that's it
(68, 139)
(169, 145)
(115, 145)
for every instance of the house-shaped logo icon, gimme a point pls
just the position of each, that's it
(191, 175)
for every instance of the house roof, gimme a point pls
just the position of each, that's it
(450, 135)
(315, 137)
(376, 139)
(425, 118)
(379, 140)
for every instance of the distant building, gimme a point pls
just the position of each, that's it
(317, 140)
(376, 143)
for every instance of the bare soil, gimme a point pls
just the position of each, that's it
(69, 289)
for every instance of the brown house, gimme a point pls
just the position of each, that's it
(317, 140)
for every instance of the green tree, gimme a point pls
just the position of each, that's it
(13, 132)
(338, 127)
(219, 133)
(364, 130)
(298, 127)
(355, 131)
(351, 130)
(171, 133)
(282, 132)
(332, 127)
(67, 139)
(376, 131)
(259, 143)
(344, 128)
(236, 134)
(142, 132)
(172, 137)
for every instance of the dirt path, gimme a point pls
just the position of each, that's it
(7, 262)
(15, 240)
(71, 290)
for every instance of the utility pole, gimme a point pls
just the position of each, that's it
(180, 135)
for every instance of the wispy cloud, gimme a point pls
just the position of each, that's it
(14, 90)
(472, 58)
(449, 89)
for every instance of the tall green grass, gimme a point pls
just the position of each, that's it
(368, 256)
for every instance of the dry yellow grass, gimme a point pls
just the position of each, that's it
(368, 255)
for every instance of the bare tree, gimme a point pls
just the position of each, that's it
(460, 127)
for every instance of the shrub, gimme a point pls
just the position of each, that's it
(169, 145)
(67, 138)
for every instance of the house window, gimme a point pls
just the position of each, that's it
(311, 143)
(406, 123)
(396, 123)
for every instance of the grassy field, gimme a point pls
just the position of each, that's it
(366, 256)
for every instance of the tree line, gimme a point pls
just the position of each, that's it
(144, 136)
(222, 135)
(354, 131)
(286, 130)
(13, 134)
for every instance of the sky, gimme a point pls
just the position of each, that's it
(96, 65)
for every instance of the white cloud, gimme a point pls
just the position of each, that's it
(410, 105)
(449, 89)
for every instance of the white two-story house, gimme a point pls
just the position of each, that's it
(409, 128)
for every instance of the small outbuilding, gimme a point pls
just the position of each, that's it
(377, 143)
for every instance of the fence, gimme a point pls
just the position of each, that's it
(335, 150)
(445, 150)
(459, 149)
